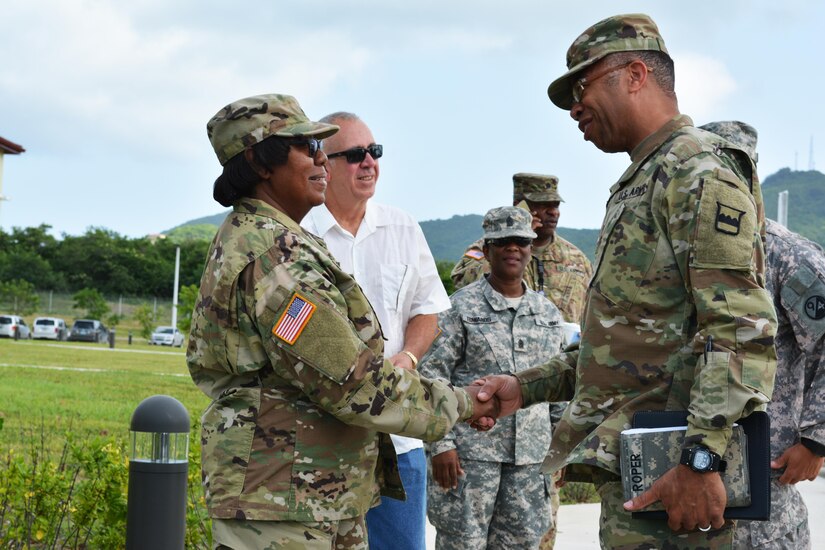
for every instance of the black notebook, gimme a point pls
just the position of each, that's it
(757, 430)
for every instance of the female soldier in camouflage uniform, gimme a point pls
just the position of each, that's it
(289, 349)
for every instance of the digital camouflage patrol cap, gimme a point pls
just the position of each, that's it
(536, 188)
(507, 221)
(248, 121)
(740, 134)
(620, 33)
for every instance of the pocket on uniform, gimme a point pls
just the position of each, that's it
(395, 279)
(625, 260)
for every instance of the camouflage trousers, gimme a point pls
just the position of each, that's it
(619, 531)
(496, 506)
(549, 538)
(345, 534)
(787, 528)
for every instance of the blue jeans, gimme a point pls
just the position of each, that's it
(401, 525)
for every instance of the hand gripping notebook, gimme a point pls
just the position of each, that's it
(754, 440)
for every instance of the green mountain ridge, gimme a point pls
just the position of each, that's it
(448, 238)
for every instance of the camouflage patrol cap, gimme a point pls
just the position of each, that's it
(740, 134)
(536, 188)
(248, 121)
(620, 33)
(507, 221)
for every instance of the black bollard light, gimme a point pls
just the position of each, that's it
(112, 338)
(158, 466)
(130, 337)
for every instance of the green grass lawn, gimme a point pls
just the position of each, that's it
(86, 388)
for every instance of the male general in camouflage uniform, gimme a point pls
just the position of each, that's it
(289, 349)
(558, 269)
(677, 317)
(495, 325)
(795, 273)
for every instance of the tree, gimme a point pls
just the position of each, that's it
(92, 302)
(146, 318)
(20, 295)
(187, 298)
(444, 268)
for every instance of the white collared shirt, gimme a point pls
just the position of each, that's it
(390, 259)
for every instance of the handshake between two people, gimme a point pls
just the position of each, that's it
(493, 396)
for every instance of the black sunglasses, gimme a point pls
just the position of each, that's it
(358, 154)
(312, 144)
(506, 241)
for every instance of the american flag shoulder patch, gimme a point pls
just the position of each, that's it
(475, 254)
(294, 319)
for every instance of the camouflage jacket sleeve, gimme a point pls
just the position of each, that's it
(446, 352)
(336, 357)
(471, 267)
(553, 381)
(715, 227)
(802, 296)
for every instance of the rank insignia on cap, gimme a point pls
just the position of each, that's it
(728, 219)
(294, 319)
(475, 254)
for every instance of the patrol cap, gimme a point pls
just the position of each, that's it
(536, 188)
(740, 134)
(507, 221)
(248, 121)
(620, 33)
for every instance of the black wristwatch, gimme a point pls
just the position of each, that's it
(703, 460)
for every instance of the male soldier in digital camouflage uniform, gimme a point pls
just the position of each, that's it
(680, 269)
(288, 347)
(487, 490)
(558, 269)
(795, 273)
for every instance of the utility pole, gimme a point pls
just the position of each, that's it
(782, 208)
(175, 290)
(811, 155)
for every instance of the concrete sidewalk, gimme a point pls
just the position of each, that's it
(579, 523)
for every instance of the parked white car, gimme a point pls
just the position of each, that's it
(50, 328)
(166, 336)
(11, 324)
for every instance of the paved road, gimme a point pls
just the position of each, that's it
(579, 523)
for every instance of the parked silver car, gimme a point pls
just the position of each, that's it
(88, 330)
(166, 336)
(14, 324)
(50, 328)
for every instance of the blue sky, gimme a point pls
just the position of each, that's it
(110, 99)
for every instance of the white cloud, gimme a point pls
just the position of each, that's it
(703, 84)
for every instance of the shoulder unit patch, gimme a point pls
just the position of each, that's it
(728, 218)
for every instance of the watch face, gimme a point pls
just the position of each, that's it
(701, 459)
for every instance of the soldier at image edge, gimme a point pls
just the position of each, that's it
(677, 316)
(795, 274)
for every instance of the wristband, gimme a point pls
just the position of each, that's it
(412, 357)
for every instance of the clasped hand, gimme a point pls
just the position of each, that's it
(493, 397)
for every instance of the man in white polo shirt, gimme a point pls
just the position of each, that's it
(384, 249)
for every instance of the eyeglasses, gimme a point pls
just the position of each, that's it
(579, 85)
(313, 145)
(507, 241)
(358, 154)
